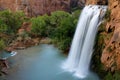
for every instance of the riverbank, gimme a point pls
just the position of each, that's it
(23, 44)
(20, 45)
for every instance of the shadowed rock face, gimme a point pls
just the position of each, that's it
(77, 3)
(99, 2)
(40, 7)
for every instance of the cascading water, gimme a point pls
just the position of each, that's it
(82, 46)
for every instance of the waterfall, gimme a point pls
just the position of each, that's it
(79, 57)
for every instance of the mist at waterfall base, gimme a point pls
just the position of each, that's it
(80, 54)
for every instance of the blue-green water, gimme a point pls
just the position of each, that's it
(4, 55)
(40, 63)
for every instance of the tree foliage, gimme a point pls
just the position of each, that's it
(38, 26)
(10, 21)
(2, 44)
(64, 32)
(59, 26)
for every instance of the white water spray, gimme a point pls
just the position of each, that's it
(82, 46)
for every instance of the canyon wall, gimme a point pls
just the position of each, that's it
(35, 7)
(110, 56)
(40, 7)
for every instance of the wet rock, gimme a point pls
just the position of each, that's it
(4, 66)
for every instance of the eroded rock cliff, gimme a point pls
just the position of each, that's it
(111, 54)
(108, 38)
(35, 7)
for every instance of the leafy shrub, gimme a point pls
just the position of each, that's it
(76, 14)
(108, 76)
(64, 32)
(112, 76)
(59, 26)
(38, 26)
(65, 29)
(102, 27)
(2, 44)
(11, 21)
(3, 27)
(107, 15)
(116, 76)
(57, 16)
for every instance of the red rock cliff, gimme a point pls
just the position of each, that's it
(111, 53)
(35, 7)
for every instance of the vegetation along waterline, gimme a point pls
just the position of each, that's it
(36, 30)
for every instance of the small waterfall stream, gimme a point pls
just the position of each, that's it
(79, 57)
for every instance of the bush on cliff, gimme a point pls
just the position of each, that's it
(107, 15)
(112, 76)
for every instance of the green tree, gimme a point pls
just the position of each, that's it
(63, 34)
(38, 26)
(60, 26)
(57, 16)
(3, 27)
(76, 15)
(11, 20)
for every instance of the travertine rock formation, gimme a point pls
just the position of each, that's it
(111, 54)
